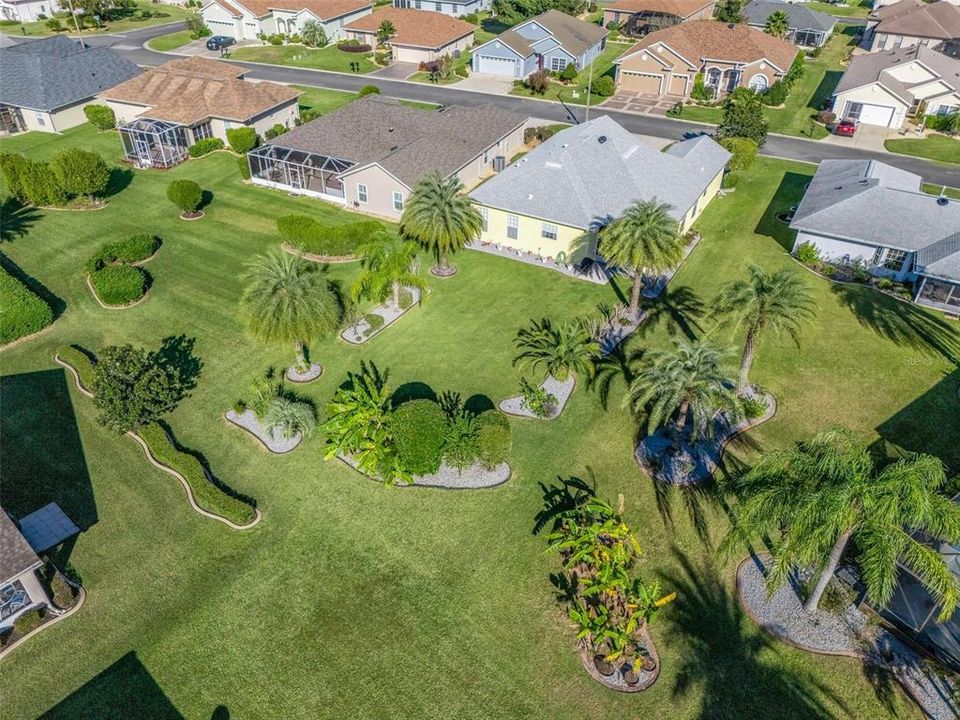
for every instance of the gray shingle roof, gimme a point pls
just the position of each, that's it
(16, 555)
(54, 72)
(407, 142)
(872, 67)
(877, 204)
(575, 179)
(574, 35)
(801, 18)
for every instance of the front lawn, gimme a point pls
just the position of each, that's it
(171, 41)
(127, 19)
(350, 599)
(328, 58)
(603, 65)
(939, 148)
(855, 8)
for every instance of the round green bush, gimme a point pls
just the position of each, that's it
(242, 139)
(743, 151)
(132, 250)
(205, 146)
(494, 440)
(419, 429)
(119, 284)
(185, 194)
(101, 117)
(604, 86)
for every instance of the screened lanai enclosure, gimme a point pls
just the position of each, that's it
(298, 171)
(645, 22)
(154, 143)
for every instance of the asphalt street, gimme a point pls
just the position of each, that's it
(131, 45)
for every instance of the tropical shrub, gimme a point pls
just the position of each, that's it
(186, 195)
(30, 181)
(276, 131)
(79, 172)
(743, 116)
(536, 399)
(807, 253)
(13, 165)
(119, 284)
(461, 71)
(374, 323)
(743, 150)
(135, 248)
(54, 25)
(242, 139)
(943, 123)
(368, 90)
(101, 117)
(604, 86)
(700, 89)
(826, 117)
(494, 440)
(21, 312)
(313, 34)
(290, 417)
(560, 349)
(461, 446)
(204, 146)
(540, 133)
(419, 430)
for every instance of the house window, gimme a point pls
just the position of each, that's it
(483, 217)
(713, 77)
(40, 121)
(512, 223)
(759, 83)
(417, 5)
(946, 109)
(616, 17)
(201, 131)
(397, 201)
(853, 111)
(361, 193)
(486, 156)
(877, 257)
(548, 231)
(898, 42)
(557, 64)
(894, 260)
(438, 7)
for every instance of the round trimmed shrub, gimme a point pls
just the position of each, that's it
(604, 86)
(119, 284)
(419, 429)
(185, 194)
(101, 117)
(743, 152)
(242, 139)
(133, 249)
(204, 146)
(494, 439)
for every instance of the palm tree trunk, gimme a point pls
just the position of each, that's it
(746, 360)
(396, 294)
(444, 264)
(635, 294)
(301, 358)
(682, 419)
(813, 601)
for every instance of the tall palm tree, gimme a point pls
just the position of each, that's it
(288, 300)
(388, 266)
(778, 24)
(687, 381)
(561, 349)
(440, 218)
(385, 31)
(644, 238)
(826, 492)
(780, 301)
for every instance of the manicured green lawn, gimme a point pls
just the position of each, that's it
(130, 21)
(855, 8)
(324, 100)
(603, 65)
(171, 41)
(353, 600)
(936, 189)
(933, 147)
(328, 58)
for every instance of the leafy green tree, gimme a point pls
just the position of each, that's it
(80, 172)
(440, 218)
(54, 24)
(289, 300)
(388, 266)
(685, 382)
(561, 349)
(643, 238)
(100, 116)
(290, 417)
(779, 301)
(815, 498)
(743, 117)
(133, 387)
(729, 11)
(242, 139)
(385, 31)
(778, 24)
(313, 34)
(186, 195)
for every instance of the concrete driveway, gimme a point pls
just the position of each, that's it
(199, 48)
(867, 137)
(641, 103)
(396, 71)
(487, 83)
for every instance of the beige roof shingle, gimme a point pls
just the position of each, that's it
(323, 9)
(419, 28)
(939, 20)
(680, 8)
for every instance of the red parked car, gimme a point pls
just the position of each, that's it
(846, 128)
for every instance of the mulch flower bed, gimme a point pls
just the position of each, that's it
(617, 679)
(192, 216)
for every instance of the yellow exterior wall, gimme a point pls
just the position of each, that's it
(529, 238)
(709, 194)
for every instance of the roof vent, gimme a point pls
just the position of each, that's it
(390, 129)
(602, 139)
(731, 25)
(529, 196)
(943, 200)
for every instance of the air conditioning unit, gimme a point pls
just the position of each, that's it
(499, 163)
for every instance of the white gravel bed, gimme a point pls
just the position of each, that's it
(560, 390)
(390, 312)
(474, 477)
(273, 440)
(313, 372)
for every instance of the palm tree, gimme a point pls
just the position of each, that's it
(826, 492)
(778, 24)
(687, 381)
(561, 349)
(385, 31)
(290, 417)
(644, 238)
(388, 266)
(288, 300)
(441, 219)
(780, 301)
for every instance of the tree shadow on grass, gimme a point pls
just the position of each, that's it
(16, 219)
(680, 309)
(34, 286)
(824, 91)
(614, 369)
(902, 323)
(415, 390)
(728, 661)
(789, 193)
(206, 198)
(120, 179)
(176, 351)
(561, 497)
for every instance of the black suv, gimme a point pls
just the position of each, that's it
(220, 41)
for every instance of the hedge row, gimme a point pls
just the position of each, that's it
(132, 250)
(310, 236)
(119, 284)
(80, 361)
(206, 493)
(21, 312)
(205, 145)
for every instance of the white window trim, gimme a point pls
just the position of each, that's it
(549, 231)
(363, 195)
(397, 200)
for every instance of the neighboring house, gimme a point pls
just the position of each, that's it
(729, 56)
(808, 28)
(554, 200)
(420, 36)
(246, 19)
(20, 589)
(454, 9)
(637, 18)
(550, 41)
(870, 212)
(164, 111)
(369, 154)
(45, 84)
(911, 22)
(27, 10)
(886, 88)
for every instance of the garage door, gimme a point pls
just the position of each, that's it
(221, 27)
(498, 66)
(640, 83)
(876, 115)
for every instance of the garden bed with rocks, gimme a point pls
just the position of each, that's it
(309, 375)
(388, 311)
(313, 257)
(472, 478)
(616, 680)
(683, 463)
(272, 440)
(560, 390)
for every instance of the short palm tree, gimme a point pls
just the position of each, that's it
(288, 300)
(388, 266)
(561, 349)
(290, 417)
(440, 218)
(644, 238)
(687, 381)
(826, 492)
(385, 31)
(779, 301)
(778, 24)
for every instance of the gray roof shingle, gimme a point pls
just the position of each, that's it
(586, 175)
(16, 555)
(55, 72)
(801, 18)
(574, 35)
(873, 67)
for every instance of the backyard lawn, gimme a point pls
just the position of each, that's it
(350, 599)
(603, 65)
(171, 41)
(131, 20)
(328, 58)
(940, 148)
(854, 8)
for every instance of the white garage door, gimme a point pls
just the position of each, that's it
(498, 66)
(876, 115)
(220, 27)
